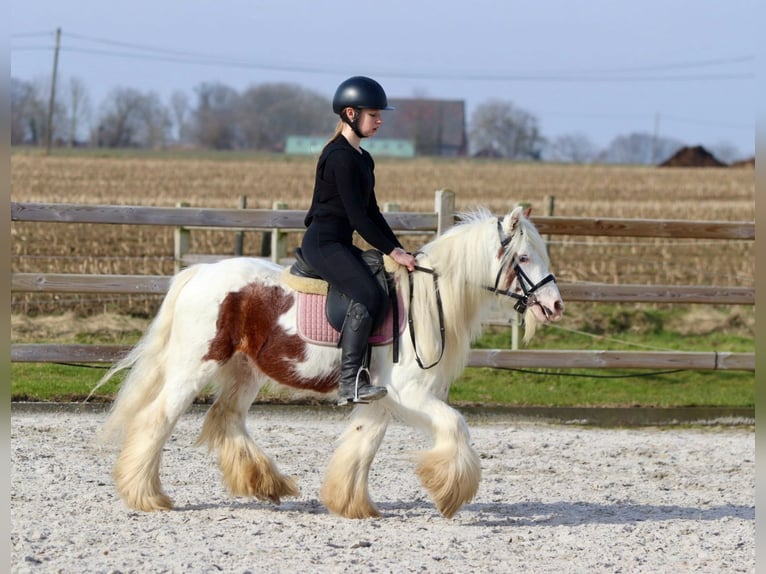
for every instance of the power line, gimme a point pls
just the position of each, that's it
(613, 75)
(143, 47)
(671, 66)
(678, 65)
(205, 61)
(214, 61)
(639, 116)
(50, 33)
(709, 123)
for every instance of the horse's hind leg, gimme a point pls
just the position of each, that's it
(247, 471)
(345, 488)
(136, 472)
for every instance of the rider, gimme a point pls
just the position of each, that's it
(343, 202)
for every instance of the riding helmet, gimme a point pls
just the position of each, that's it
(360, 92)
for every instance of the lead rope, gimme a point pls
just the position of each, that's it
(440, 312)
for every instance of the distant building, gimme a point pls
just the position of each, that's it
(377, 146)
(437, 127)
(696, 156)
(416, 127)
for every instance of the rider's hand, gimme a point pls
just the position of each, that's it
(403, 258)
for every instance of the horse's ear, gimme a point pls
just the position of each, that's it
(514, 216)
(521, 210)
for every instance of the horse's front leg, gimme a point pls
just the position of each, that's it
(247, 470)
(451, 469)
(345, 488)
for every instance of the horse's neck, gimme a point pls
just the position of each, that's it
(462, 259)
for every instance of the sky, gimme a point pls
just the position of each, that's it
(681, 69)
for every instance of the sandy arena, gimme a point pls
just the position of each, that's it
(553, 498)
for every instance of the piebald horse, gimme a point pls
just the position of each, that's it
(232, 325)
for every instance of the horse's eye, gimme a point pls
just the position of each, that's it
(523, 258)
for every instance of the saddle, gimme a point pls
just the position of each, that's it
(315, 294)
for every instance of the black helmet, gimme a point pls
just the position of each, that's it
(360, 92)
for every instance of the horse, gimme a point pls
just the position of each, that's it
(231, 325)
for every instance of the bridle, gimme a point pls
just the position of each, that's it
(523, 301)
(528, 296)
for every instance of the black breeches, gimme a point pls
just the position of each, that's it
(342, 266)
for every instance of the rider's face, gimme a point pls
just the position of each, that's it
(369, 121)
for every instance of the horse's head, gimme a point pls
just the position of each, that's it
(523, 272)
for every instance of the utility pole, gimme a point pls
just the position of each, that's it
(656, 139)
(52, 100)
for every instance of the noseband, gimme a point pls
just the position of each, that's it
(528, 288)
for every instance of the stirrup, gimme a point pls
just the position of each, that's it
(355, 399)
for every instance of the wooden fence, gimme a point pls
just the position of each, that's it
(280, 221)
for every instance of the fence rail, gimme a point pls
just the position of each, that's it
(281, 220)
(287, 219)
(492, 358)
(592, 292)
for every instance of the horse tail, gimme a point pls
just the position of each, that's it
(145, 361)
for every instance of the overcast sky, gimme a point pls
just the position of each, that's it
(682, 68)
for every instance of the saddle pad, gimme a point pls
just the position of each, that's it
(304, 284)
(314, 327)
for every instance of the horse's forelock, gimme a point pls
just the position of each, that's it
(530, 234)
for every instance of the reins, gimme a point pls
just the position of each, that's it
(439, 310)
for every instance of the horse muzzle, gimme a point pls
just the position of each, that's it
(544, 310)
(547, 313)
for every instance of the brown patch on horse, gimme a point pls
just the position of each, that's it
(248, 323)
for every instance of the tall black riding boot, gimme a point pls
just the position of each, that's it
(355, 383)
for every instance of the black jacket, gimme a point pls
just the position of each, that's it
(344, 197)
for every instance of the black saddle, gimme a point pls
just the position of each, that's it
(338, 304)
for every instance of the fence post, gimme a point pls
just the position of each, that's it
(239, 239)
(181, 239)
(550, 202)
(444, 206)
(278, 237)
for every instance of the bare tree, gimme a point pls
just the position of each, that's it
(499, 128)
(726, 151)
(215, 123)
(180, 109)
(118, 124)
(269, 113)
(639, 148)
(572, 148)
(132, 119)
(27, 113)
(78, 103)
(155, 122)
